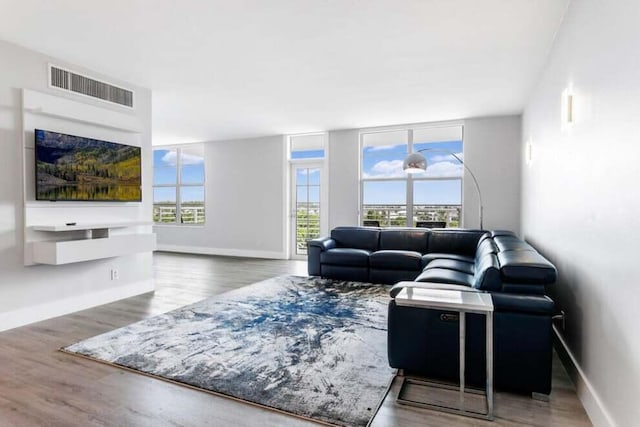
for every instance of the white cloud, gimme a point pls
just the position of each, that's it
(444, 169)
(382, 147)
(445, 158)
(187, 159)
(435, 169)
(386, 169)
(309, 171)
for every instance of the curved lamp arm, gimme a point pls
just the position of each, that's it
(416, 162)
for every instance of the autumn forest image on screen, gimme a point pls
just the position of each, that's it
(75, 168)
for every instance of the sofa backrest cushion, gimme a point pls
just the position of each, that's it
(356, 237)
(486, 246)
(487, 273)
(522, 266)
(462, 242)
(484, 237)
(409, 239)
(496, 233)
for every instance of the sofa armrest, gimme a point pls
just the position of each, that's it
(314, 248)
(323, 243)
(526, 266)
(523, 304)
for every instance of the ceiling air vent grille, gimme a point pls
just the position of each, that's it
(77, 83)
(59, 78)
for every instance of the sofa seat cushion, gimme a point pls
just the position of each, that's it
(396, 260)
(427, 258)
(442, 275)
(345, 256)
(452, 264)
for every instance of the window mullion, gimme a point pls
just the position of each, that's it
(178, 183)
(409, 189)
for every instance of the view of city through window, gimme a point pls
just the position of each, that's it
(306, 187)
(178, 185)
(307, 207)
(392, 198)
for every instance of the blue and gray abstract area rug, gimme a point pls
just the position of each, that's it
(315, 348)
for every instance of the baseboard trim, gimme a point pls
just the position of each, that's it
(201, 250)
(593, 405)
(32, 314)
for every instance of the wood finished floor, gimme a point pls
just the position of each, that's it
(41, 386)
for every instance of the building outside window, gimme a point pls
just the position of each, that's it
(390, 197)
(179, 185)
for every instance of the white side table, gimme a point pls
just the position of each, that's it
(462, 302)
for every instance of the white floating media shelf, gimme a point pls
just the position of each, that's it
(97, 244)
(89, 226)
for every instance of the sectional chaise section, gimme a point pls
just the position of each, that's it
(425, 341)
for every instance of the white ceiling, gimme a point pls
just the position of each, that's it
(241, 68)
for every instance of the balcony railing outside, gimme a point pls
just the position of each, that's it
(307, 225)
(308, 218)
(165, 213)
(396, 215)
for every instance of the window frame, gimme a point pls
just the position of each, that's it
(289, 221)
(178, 185)
(409, 179)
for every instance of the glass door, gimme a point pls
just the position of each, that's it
(306, 201)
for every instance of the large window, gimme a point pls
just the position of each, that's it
(390, 197)
(178, 185)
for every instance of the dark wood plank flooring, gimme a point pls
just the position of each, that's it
(40, 386)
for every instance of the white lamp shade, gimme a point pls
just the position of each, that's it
(415, 163)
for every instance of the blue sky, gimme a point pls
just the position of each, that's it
(310, 177)
(307, 154)
(378, 162)
(164, 172)
(386, 162)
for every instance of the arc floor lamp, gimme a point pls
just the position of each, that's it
(417, 163)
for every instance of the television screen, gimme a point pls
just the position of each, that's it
(73, 168)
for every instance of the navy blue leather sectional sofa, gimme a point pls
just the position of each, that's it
(425, 342)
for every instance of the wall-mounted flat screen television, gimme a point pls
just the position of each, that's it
(74, 168)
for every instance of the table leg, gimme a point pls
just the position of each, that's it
(489, 356)
(462, 334)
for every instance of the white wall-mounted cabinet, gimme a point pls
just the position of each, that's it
(95, 243)
(67, 232)
(69, 251)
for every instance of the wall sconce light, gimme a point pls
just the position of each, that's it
(528, 152)
(567, 114)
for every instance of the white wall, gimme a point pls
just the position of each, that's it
(246, 207)
(581, 203)
(344, 199)
(491, 151)
(245, 202)
(33, 293)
